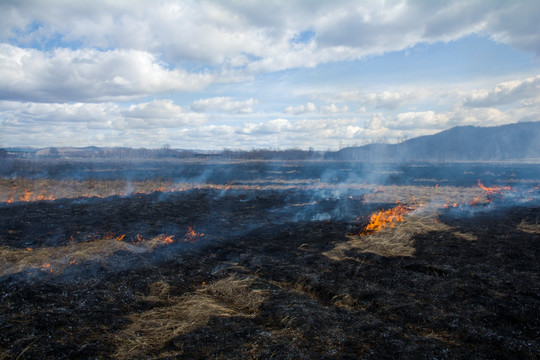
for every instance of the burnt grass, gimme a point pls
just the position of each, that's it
(454, 299)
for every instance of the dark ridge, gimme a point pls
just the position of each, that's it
(519, 141)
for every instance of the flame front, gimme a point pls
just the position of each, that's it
(384, 218)
(492, 191)
(46, 267)
(192, 236)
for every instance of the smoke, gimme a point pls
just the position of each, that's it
(86, 202)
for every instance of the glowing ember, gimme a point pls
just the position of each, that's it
(46, 267)
(447, 205)
(384, 218)
(167, 239)
(192, 236)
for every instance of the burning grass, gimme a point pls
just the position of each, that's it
(26, 190)
(391, 232)
(417, 289)
(56, 259)
(152, 330)
(385, 218)
(29, 190)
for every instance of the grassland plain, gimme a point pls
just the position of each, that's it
(271, 267)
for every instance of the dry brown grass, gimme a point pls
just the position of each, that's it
(23, 189)
(299, 287)
(56, 259)
(426, 194)
(396, 240)
(529, 228)
(26, 189)
(152, 330)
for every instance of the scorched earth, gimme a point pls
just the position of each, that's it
(285, 260)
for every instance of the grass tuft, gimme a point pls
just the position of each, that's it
(154, 329)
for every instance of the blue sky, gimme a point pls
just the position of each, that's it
(262, 74)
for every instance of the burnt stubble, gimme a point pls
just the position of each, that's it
(262, 272)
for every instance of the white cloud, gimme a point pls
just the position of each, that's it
(226, 104)
(30, 114)
(526, 91)
(88, 75)
(162, 114)
(517, 25)
(157, 114)
(301, 109)
(418, 120)
(67, 68)
(333, 109)
(249, 34)
(390, 100)
(387, 100)
(270, 127)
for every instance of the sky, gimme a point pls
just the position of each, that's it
(240, 74)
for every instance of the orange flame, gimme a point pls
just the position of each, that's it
(46, 267)
(167, 239)
(192, 236)
(27, 196)
(492, 191)
(384, 218)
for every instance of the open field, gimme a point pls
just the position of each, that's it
(270, 260)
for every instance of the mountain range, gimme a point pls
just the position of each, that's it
(520, 141)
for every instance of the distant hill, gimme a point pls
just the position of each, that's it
(89, 151)
(519, 141)
(463, 143)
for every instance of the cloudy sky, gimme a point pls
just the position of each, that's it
(245, 74)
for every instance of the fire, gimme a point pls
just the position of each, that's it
(448, 205)
(384, 218)
(492, 191)
(99, 248)
(27, 196)
(40, 190)
(192, 236)
(46, 267)
(167, 239)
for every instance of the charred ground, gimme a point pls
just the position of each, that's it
(260, 283)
